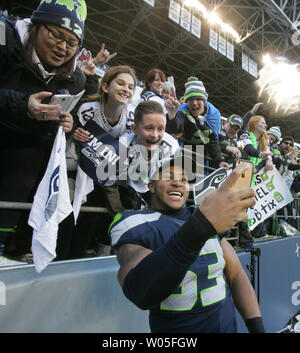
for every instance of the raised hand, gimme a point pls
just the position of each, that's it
(172, 104)
(88, 67)
(225, 206)
(103, 56)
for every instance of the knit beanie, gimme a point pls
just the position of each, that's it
(195, 88)
(275, 131)
(69, 14)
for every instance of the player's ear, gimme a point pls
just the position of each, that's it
(151, 186)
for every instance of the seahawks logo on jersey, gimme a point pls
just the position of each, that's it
(212, 182)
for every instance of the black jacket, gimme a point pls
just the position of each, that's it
(25, 143)
(191, 129)
(20, 78)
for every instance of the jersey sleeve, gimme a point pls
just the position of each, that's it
(86, 112)
(132, 227)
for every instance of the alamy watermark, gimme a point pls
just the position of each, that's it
(106, 164)
(2, 293)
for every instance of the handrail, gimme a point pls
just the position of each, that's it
(27, 206)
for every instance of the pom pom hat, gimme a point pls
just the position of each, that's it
(195, 88)
(275, 131)
(69, 14)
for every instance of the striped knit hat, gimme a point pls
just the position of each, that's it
(275, 131)
(195, 88)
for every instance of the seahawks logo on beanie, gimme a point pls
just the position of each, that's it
(69, 14)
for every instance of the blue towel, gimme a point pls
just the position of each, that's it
(212, 117)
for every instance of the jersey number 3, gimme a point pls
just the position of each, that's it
(188, 296)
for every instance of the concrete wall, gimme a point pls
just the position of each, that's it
(84, 295)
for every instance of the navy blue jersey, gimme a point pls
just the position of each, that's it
(203, 302)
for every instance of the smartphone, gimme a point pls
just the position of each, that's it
(64, 100)
(245, 179)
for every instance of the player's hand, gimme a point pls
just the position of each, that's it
(225, 206)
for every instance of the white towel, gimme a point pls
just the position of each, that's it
(51, 205)
(83, 186)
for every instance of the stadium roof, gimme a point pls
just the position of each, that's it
(145, 37)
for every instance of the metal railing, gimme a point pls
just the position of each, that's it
(27, 206)
(294, 206)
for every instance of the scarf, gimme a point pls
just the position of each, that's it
(254, 160)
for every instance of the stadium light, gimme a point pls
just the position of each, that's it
(213, 18)
(280, 81)
(198, 6)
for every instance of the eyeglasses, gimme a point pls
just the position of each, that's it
(288, 143)
(72, 44)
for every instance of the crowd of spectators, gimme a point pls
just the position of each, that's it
(41, 57)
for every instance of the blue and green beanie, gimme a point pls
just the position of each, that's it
(195, 88)
(69, 14)
(275, 131)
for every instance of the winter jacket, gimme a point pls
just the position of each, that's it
(197, 131)
(25, 143)
(20, 78)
